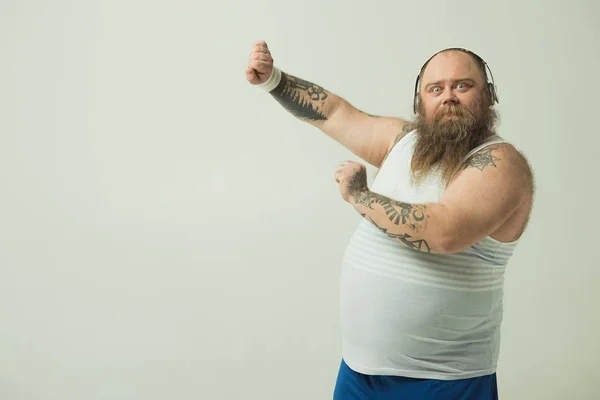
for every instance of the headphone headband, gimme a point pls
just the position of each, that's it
(490, 86)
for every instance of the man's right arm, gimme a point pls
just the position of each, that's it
(368, 136)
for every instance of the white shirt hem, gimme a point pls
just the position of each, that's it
(417, 374)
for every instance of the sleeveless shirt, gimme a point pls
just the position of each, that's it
(408, 313)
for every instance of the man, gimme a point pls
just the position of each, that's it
(422, 277)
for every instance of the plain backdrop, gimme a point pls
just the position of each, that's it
(168, 231)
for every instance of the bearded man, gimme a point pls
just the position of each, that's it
(422, 276)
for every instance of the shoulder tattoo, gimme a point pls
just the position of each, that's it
(482, 159)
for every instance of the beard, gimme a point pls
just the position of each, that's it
(445, 140)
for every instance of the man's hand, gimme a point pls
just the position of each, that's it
(352, 178)
(260, 63)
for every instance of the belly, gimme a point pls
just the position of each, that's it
(381, 312)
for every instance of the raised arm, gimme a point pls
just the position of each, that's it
(367, 136)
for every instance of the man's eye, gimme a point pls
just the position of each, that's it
(436, 89)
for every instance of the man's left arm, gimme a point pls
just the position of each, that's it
(488, 189)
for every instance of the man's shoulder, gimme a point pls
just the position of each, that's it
(505, 158)
(489, 153)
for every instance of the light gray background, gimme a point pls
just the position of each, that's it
(168, 231)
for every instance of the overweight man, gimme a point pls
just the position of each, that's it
(422, 276)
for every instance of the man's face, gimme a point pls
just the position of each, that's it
(454, 114)
(452, 87)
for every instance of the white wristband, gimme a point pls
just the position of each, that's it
(272, 81)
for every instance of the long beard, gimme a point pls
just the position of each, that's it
(445, 141)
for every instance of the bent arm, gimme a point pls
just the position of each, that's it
(367, 136)
(408, 224)
(490, 188)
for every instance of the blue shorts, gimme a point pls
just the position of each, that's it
(351, 385)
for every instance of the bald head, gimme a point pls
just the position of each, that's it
(454, 63)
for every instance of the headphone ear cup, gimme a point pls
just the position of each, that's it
(416, 104)
(491, 93)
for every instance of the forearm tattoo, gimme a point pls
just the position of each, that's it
(406, 239)
(399, 213)
(414, 216)
(411, 216)
(303, 99)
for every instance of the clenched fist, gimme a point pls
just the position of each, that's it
(260, 63)
(352, 177)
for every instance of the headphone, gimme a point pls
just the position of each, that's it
(490, 86)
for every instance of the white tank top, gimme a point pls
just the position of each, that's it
(413, 314)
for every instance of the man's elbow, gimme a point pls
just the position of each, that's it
(444, 244)
(445, 238)
(451, 242)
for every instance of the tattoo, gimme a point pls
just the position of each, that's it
(406, 239)
(399, 213)
(406, 128)
(303, 99)
(482, 159)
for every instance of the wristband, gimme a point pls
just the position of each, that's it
(272, 81)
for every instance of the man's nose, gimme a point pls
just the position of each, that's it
(449, 98)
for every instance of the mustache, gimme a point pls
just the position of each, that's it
(456, 109)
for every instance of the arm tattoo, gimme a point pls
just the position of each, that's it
(399, 213)
(482, 159)
(303, 99)
(412, 215)
(406, 239)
